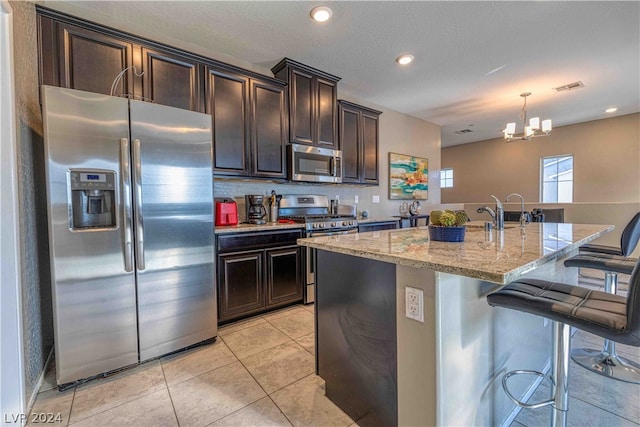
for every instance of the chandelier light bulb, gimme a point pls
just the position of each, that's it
(534, 123)
(404, 59)
(321, 13)
(546, 126)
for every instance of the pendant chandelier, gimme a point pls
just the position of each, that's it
(532, 130)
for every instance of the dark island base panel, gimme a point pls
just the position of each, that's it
(356, 350)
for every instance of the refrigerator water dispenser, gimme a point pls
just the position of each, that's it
(93, 199)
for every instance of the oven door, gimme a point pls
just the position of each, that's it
(309, 293)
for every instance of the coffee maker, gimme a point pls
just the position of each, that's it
(255, 210)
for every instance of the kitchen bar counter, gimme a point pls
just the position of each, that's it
(497, 256)
(383, 368)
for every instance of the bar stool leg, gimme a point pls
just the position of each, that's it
(606, 362)
(560, 373)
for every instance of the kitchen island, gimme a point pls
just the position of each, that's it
(383, 368)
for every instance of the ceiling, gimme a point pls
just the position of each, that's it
(472, 59)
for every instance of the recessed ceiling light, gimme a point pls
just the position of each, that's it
(404, 59)
(611, 110)
(321, 13)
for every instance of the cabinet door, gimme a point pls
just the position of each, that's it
(268, 130)
(284, 275)
(171, 80)
(240, 284)
(349, 143)
(369, 148)
(326, 114)
(227, 96)
(90, 61)
(302, 106)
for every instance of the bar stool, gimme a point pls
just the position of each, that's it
(606, 361)
(628, 241)
(608, 316)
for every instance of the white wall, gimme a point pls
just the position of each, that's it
(12, 399)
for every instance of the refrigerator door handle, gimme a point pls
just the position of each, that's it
(138, 205)
(125, 173)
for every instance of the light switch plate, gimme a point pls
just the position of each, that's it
(376, 199)
(414, 303)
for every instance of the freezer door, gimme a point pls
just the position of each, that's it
(94, 301)
(173, 210)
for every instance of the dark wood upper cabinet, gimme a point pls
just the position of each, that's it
(312, 103)
(301, 101)
(268, 129)
(227, 102)
(171, 79)
(248, 110)
(327, 124)
(370, 161)
(91, 61)
(359, 143)
(350, 130)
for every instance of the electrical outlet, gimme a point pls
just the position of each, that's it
(414, 303)
(376, 199)
(355, 199)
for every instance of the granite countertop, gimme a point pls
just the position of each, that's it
(496, 256)
(245, 228)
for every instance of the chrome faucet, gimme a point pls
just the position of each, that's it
(490, 211)
(499, 214)
(524, 219)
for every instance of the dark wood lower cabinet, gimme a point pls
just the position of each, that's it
(240, 284)
(258, 272)
(284, 275)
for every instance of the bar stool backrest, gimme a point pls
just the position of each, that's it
(633, 303)
(630, 236)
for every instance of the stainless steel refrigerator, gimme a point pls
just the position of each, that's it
(130, 204)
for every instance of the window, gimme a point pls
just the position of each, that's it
(557, 179)
(446, 178)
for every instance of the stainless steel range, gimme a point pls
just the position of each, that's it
(313, 211)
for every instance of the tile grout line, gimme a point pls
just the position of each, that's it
(117, 406)
(175, 414)
(604, 410)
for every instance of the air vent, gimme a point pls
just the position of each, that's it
(463, 131)
(570, 86)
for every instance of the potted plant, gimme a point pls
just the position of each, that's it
(447, 226)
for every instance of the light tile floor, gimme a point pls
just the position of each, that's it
(260, 372)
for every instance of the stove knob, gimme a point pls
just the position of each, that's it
(333, 224)
(314, 225)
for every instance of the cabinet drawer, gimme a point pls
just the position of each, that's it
(248, 241)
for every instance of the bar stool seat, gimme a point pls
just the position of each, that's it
(611, 263)
(597, 312)
(607, 315)
(606, 361)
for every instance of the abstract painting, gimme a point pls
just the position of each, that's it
(408, 177)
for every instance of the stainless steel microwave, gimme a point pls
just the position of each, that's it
(314, 164)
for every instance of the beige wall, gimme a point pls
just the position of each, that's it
(606, 163)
